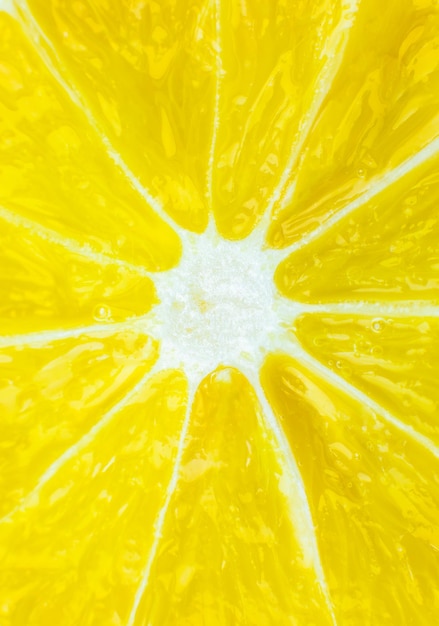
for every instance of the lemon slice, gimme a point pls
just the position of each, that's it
(219, 277)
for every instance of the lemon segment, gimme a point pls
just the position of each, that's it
(44, 285)
(54, 170)
(145, 72)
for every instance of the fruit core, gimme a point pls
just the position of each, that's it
(219, 306)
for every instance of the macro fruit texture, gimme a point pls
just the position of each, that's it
(219, 274)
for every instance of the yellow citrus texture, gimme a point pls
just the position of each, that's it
(219, 312)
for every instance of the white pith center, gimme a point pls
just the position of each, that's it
(219, 306)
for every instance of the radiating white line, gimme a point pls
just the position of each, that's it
(162, 514)
(37, 36)
(289, 310)
(321, 89)
(294, 490)
(43, 337)
(78, 447)
(216, 115)
(430, 151)
(85, 251)
(411, 308)
(296, 351)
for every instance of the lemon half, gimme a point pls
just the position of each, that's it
(219, 274)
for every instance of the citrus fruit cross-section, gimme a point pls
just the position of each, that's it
(219, 312)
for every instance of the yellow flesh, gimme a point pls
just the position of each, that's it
(304, 489)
